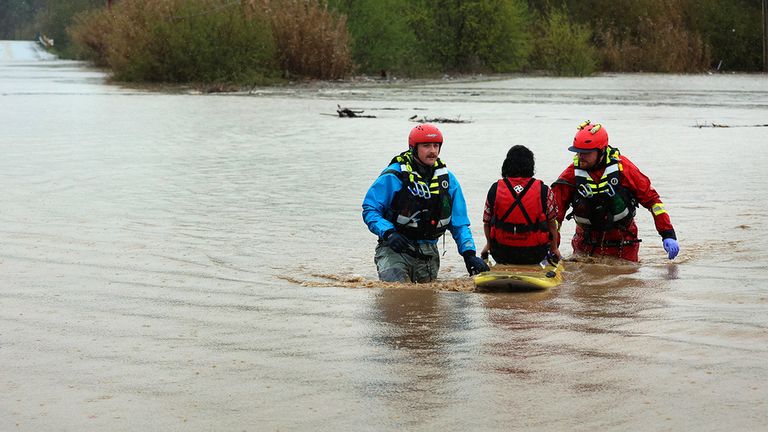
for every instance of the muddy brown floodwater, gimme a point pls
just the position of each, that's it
(199, 262)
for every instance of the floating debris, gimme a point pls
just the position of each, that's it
(351, 113)
(396, 109)
(718, 125)
(425, 119)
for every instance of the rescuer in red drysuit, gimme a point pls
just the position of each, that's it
(604, 188)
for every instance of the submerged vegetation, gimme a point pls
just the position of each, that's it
(257, 41)
(177, 41)
(245, 42)
(563, 47)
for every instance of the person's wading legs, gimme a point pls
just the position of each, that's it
(425, 270)
(628, 252)
(396, 267)
(392, 267)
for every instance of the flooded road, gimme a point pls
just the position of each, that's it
(199, 262)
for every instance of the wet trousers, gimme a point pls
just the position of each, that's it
(403, 267)
(620, 243)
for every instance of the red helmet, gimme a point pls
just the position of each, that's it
(424, 133)
(590, 137)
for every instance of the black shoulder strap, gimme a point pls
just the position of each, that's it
(544, 196)
(563, 182)
(396, 173)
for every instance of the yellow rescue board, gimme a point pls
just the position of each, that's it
(520, 277)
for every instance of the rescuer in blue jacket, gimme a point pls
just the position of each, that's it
(411, 205)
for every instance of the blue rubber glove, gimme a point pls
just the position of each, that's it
(552, 258)
(474, 264)
(396, 241)
(671, 246)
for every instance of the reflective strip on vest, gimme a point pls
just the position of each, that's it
(658, 209)
(412, 221)
(444, 222)
(407, 221)
(581, 220)
(622, 215)
(616, 217)
(434, 187)
(611, 169)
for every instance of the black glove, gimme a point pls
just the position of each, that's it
(396, 241)
(474, 264)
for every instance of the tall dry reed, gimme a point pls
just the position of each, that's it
(660, 42)
(89, 32)
(312, 40)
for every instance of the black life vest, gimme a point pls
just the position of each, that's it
(519, 218)
(421, 209)
(605, 204)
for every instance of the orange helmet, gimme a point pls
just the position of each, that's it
(424, 133)
(590, 137)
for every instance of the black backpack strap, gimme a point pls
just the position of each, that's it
(399, 174)
(544, 196)
(518, 200)
(563, 182)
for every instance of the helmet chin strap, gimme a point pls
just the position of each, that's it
(419, 161)
(601, 157)
(415, 152)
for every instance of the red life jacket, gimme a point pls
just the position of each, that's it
(519, 217)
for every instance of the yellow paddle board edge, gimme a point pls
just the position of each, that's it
(531, 277)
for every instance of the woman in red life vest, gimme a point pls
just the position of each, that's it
(520, 217)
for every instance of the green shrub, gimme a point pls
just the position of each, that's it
(382, 38)
(564, 47)
(474, 35)
(733, 30)
(179, 41)
(200, 43)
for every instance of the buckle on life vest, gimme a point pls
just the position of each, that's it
(585, 190)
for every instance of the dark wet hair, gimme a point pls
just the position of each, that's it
(519, 162)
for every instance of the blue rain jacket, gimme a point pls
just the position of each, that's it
(379, 198)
